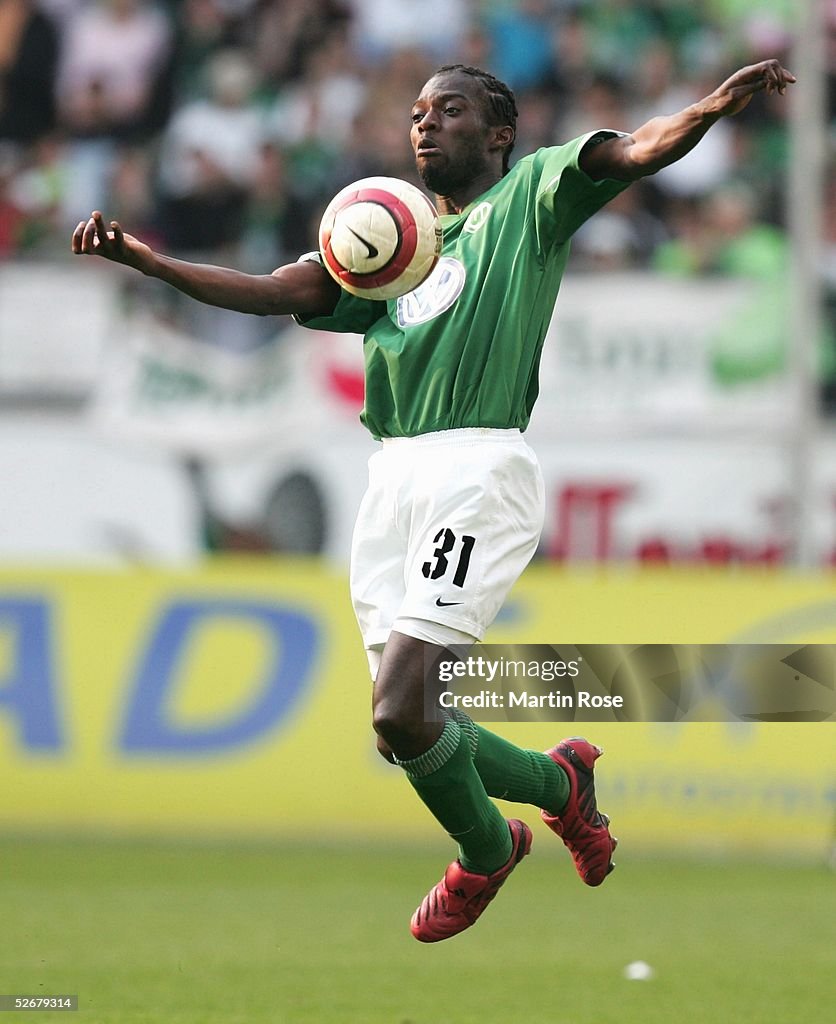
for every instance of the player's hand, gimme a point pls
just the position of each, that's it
(93, 238)
(735, 93)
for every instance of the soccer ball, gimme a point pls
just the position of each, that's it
(380, 238)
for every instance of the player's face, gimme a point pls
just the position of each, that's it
(451, 141)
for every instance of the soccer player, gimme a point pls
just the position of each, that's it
(455, 505)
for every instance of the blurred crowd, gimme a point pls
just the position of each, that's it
(219, 129)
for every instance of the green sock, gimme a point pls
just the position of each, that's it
(509, 772)
(447, 781)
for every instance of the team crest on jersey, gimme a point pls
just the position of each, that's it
(477, 218)
(435, 295)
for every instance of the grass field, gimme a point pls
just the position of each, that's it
(290, 935)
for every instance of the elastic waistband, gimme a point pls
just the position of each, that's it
(461, 435)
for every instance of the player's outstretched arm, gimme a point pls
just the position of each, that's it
(297, 288)
(664, 140)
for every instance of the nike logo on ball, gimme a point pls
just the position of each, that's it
(445, 604)
(372, 251)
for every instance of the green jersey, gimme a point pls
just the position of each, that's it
(463, 349)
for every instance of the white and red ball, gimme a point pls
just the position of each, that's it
(380, 237)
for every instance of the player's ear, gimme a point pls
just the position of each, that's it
(503, 136)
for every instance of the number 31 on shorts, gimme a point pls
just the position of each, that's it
(450, 550)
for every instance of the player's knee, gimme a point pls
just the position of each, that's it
(394, 726)
(387, 723)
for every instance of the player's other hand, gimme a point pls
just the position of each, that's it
(93, 238)
(767, 76)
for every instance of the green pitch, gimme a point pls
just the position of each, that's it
(169, 934)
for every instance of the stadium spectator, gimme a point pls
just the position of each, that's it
(522, 43)
(28, 61)
(721, 234)
(601, 101)
(209, 153)
(37, 192)
(659, 88)
(285, 34)
(382, 27)
(621, 32)
(61, 11)
(376, 143)
(113, 55)
(211, 158)
(323, 102)
(270, 218)
(202, 29)
(623, 236)
(131, 187)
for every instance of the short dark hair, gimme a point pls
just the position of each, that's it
(501, 105)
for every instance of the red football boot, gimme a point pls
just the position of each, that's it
(459, 898)
(581, 826)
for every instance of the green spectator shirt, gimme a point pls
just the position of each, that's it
(463, 349)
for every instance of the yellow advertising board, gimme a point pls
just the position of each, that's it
(233, 700)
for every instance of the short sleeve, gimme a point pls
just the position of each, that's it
(351, 315)
(565, 193)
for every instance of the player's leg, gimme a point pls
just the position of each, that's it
(560, 782)
(508, 772)
(474, 550)
(514, 773)
(475, 508)
(483, 525)
(497, 485)
(445, 779)
(436, 757)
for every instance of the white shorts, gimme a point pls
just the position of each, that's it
(447, 525)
